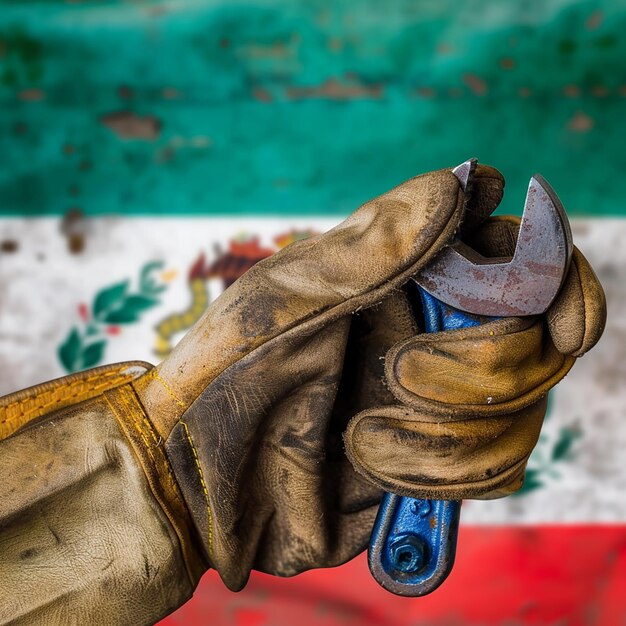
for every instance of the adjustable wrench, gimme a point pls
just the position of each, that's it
(413, 542)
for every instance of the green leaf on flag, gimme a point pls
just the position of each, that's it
(147, 284)
(109, 298)
(563, 447)
(130, 310)
(111, 306)
(93, 353)
(69, 351)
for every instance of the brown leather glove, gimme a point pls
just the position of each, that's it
(240, 432)
(264, 386)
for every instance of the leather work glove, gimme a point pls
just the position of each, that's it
(265, 439)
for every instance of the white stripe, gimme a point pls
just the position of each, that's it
(42, 283)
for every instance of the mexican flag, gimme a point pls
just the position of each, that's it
(154, 151)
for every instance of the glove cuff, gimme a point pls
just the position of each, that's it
(91, 520)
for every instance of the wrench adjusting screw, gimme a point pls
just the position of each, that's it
(407, 553)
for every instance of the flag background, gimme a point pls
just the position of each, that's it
(154, 149)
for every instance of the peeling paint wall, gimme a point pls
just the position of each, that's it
(302, 107)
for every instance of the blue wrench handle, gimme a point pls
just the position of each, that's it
(413, 542)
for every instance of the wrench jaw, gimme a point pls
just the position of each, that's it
(465, 174)
(555, 230)
(525, 284)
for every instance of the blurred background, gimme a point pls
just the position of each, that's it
(153, 150)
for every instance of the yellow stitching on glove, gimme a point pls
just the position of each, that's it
(170, 392)
(18, 412)
(154, 374)
(204, 487)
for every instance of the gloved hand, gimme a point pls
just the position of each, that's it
(265, 384)
(240, 432)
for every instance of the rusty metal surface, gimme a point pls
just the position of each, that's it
(527, 283)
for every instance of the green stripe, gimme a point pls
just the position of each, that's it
(308, 107)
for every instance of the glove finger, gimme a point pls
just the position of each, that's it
(487, 188)
(403, 451)
(474, 400)
(577, 317)
(496, 237)
(492, 369)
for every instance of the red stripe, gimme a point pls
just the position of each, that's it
(556, 575)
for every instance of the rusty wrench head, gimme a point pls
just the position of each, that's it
(526, 283)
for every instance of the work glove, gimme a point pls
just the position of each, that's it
(265, 439)
(254, 401)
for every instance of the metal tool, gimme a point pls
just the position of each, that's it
(413, 543)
